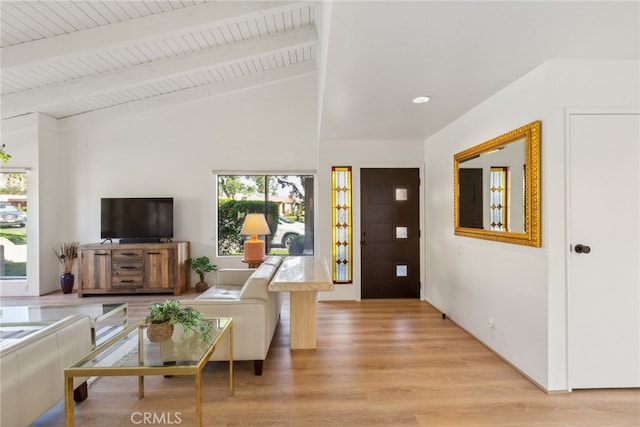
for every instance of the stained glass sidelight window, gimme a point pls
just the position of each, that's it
(341, 224)
(498, 207)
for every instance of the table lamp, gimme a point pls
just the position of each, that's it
(254, 224)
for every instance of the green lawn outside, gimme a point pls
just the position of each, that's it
(17, 237)
(15, 269)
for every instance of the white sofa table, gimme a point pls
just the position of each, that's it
(302, 277)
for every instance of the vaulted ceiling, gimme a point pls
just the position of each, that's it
(70, 57)
(66, 58)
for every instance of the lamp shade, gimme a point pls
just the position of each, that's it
(255, 224)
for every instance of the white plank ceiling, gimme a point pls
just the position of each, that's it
(64, 58)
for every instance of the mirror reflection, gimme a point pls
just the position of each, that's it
(496, 188)
(491, 189)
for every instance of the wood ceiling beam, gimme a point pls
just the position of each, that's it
(132, 31)
(38, 99)
(274, 75)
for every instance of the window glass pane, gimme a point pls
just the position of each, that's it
(402, 270)
(13, 222)
(402, 233)
(286, 201)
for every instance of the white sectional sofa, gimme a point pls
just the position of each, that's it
(32, 369)
(242, 295)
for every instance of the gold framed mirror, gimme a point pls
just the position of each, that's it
(496, 188)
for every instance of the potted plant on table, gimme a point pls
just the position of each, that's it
(202, 266)
(164, 315)
(67, 257)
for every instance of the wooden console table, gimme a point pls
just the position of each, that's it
(127, 268)
(302, 277)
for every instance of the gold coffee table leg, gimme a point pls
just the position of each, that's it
(68, 400)
(140, 387)
(231, 387)
(199, 399)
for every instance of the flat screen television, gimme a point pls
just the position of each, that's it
(134, 219)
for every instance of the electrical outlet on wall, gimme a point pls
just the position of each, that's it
(491, 323)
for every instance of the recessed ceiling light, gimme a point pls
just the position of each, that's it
(421, 99)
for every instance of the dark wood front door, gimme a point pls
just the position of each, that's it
(390, 239)
(470, 197)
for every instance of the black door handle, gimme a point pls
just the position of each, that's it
(582, 249)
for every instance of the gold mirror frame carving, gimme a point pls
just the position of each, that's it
(531, 235)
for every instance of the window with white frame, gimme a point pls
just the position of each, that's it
(13, 225)
(285, 200)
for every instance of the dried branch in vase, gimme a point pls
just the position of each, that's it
(67, 255)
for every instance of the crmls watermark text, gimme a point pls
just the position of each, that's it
(158, 418)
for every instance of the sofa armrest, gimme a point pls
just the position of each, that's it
(250, 330)
(40, 358)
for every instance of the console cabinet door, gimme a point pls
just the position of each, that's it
(96, 270)
(159, 268)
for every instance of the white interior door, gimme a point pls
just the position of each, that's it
(604, 276)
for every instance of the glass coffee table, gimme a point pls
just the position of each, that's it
(38, 315)
(183, 354)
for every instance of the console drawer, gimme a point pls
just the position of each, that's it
(126, 255)
(126, 282)
(129, 274)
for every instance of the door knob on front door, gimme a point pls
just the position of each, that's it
(582, 249)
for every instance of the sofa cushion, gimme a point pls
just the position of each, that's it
(273, 260)
(220, 293)
(232, 277)
(256, 285)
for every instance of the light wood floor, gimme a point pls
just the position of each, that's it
(378, 363)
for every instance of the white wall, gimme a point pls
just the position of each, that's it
(357, 154)
(523, 289)
(169, 152)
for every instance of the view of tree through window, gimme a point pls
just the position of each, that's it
(286, 201)
(13, 225)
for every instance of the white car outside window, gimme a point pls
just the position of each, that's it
(10, 216)
(286, 231)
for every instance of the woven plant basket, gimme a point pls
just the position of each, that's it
(202, 286)
(158, 332)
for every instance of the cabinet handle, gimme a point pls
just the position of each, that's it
(127, 267)
(128, 253)
(126, 281)
(101, 254)
(153, 253)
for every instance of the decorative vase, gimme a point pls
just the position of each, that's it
(158, 332)
(66, 282)
(202, 286)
